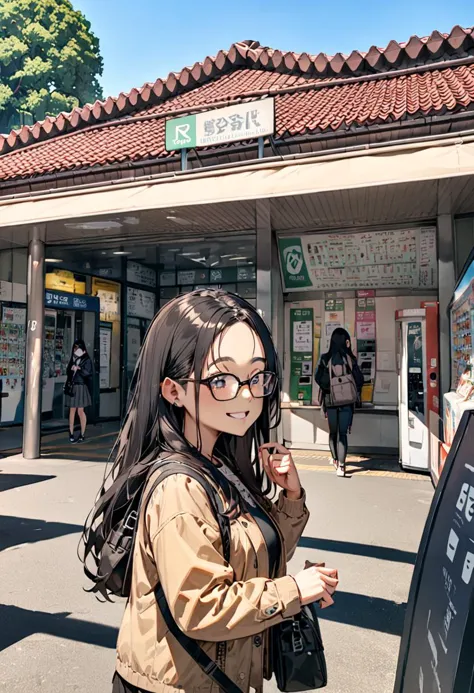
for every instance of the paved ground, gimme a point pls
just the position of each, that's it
(54, 637)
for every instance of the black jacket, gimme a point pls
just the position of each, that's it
(84, 376)
(323, 379)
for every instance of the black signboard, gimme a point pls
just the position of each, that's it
(437, 648)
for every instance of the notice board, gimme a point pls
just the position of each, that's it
(437, 648)
(403, 258)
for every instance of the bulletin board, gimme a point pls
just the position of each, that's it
(404, 258)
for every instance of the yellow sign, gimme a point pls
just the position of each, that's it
(60, 280)
(108, 294)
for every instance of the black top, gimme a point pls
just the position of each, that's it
(83, 376)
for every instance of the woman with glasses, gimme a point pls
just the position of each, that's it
(207, 386)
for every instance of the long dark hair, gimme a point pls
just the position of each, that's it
(338, 345)
(177, 344)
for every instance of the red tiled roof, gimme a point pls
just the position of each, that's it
(312, 94)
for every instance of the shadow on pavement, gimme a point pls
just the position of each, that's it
(9, 481)
(373, 613)
(18, 624)
(384, 553)
(21, 530)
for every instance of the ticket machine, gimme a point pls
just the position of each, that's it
(418, 387)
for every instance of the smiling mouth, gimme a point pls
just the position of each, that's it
(239, 415)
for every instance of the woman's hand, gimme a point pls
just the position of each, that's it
(317, 584)
(280, 468)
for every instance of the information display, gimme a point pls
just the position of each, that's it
(302, 344)
(105, 352)
(140, 303)
(436, 653)
(368, 260)
(140, 274)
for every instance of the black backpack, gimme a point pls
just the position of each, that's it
(113, 549)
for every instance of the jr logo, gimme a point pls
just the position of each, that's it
(293, 258)
(182, 134)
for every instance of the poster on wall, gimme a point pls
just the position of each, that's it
(333, 317)
(404, 258)
(105, 337)
(108, 293)
(17, 316)
(140, 303)
(140, 274)
(6, 291)
(366, 344)
(302, 346)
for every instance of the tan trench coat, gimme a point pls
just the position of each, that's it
(179, 544)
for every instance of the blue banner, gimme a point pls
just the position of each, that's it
(60, 299)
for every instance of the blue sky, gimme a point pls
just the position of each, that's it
(142, 40)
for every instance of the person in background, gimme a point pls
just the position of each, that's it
(79, 374)
(339, 417)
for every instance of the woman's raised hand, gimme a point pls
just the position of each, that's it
(280, 468)
(317, 584)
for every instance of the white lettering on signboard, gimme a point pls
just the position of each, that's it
(468, 568)
(453, 542)
(466, 501)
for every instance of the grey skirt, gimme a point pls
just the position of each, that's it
(81, 398)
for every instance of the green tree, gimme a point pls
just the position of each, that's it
(49, 61)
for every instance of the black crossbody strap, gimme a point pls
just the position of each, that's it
(208, 665)
(192, 647)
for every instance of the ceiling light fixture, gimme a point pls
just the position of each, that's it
(122, 252)
(95, 225)
(53, 260)
(239, 258)
(179, 220)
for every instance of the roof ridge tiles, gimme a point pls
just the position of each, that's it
(249, 54)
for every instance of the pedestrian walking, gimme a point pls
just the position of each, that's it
(201, 603)
(341, 380)
(78, 382)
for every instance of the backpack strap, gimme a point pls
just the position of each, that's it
(208, 665)
(171, 468)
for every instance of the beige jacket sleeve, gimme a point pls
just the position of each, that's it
(205, 600)
(292, 516)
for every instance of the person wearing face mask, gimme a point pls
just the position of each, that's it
(79, 372)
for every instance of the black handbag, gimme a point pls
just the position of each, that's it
(297, 653)
(296, 645)
(69, 388)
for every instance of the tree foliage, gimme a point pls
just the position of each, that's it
(49, 61)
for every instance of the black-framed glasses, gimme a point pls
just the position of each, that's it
(226, 386)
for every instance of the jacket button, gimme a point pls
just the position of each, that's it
(241, 676)
(244, 523)
(257, 641)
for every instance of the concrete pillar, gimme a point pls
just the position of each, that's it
(264, 259)
(34, 344)
(446, 280)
